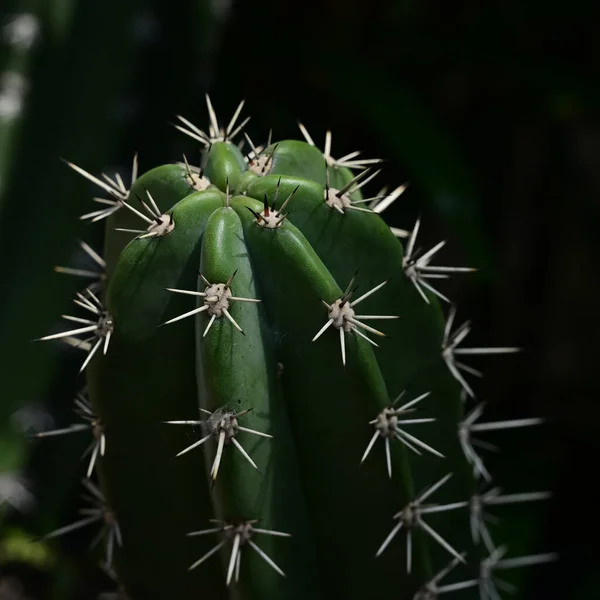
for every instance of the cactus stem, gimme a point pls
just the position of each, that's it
(410, 518)
(222, 425)
(100, 511)
(217, 297)
(83, 409)
(240, 534)
(387, 427)
(344, 161)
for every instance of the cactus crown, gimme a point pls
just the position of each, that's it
(236, 299)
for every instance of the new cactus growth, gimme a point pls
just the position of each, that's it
(260, 303)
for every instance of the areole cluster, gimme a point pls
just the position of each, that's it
(202, 312)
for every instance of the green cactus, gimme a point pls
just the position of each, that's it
(246, 403)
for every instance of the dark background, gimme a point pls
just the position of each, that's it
(488, 108)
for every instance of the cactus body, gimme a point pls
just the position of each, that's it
(317, 409)
(274, 388)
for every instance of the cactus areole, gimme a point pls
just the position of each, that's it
(279, 395)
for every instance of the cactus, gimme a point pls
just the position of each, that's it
(244, 402)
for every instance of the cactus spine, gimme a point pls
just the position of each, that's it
(272, 380)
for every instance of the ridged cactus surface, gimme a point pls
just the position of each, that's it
(278, 406)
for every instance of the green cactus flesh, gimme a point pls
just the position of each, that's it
(251, 340)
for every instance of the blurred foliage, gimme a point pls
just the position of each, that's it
(489, 109)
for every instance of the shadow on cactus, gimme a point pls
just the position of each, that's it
(277, 406)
